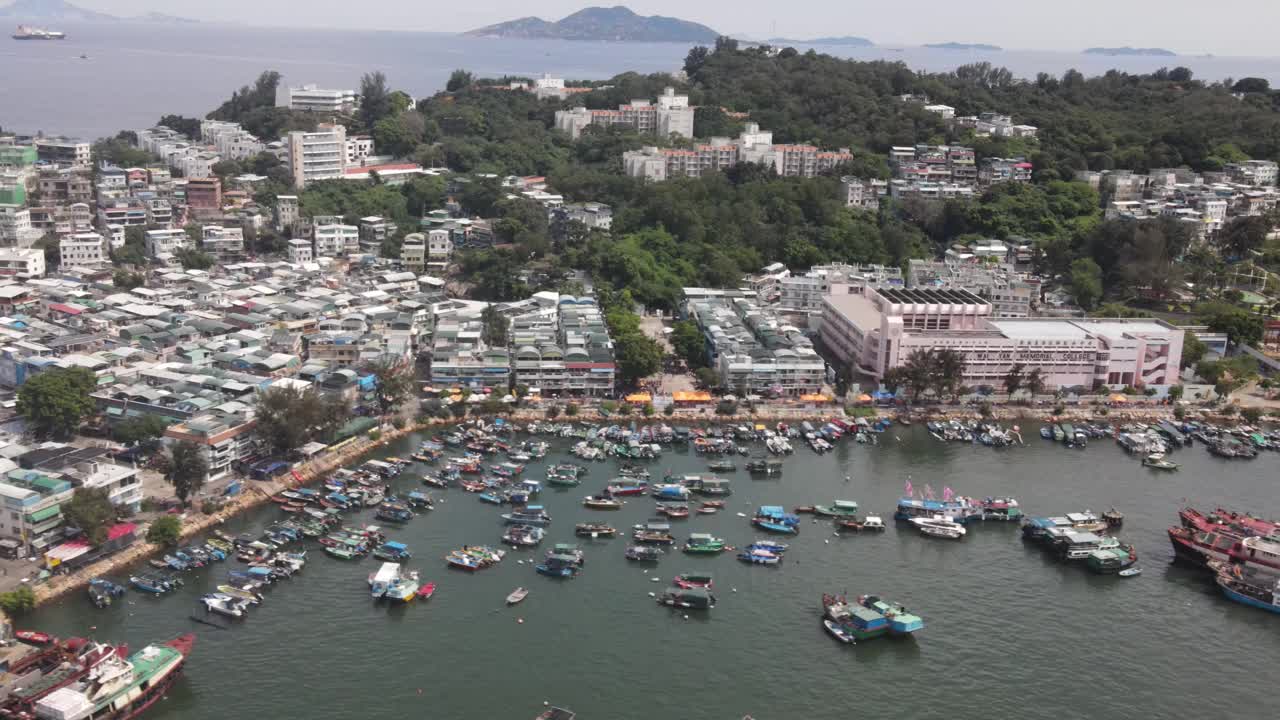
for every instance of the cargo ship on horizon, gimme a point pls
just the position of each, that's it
(26, 32)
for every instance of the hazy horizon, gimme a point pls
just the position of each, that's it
(1012, 24)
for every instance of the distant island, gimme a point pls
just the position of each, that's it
(845, 40)
(59, 11)
(1150, 52)
(616, 24)
(964, 46)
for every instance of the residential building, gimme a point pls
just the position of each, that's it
(64, 151)
(300, 251)
(333, 239)
(670, 114)
(359, 148)
(373, 231)
(287, 212)
(125, 212)
(754, 351)
(593, 215)
(82, 249)
(225, 436)
(22, 263)
(720, 153)
(998, 170)
(320, 155)
(204, 196)
(875, 330)
(439, 246)
(946, 112)
(15, 227)
(1012, 294)
(223, 243)
(804, 293)
(413, 252)
(166, 242)
(231, 141)
(33, 507)
(387, 173)
(1253, 172)
(316, 99)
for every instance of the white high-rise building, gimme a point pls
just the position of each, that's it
(82, 249)
(320, 155)
(316, 99)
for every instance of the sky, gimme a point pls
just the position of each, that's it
(1223, 27)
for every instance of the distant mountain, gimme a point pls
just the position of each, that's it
(58, 11)
(618, 24)
(1155, 52)
(964, 46)
(847, 40)
(55, 10)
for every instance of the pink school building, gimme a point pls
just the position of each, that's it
(876, 329)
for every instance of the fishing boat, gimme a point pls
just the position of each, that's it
(704, 544)
(838, 631)
(759, 556)
(427, 590)
(707, 510)
(120, 689)
(677, 511)
(601, 502)
(901, 622)
(775, 519)
(688, 598)
(530, 515)
(856, 524)
(403, 589)
(590, 529)
(33, 637)
(674, 492)
(1113, 518)
(559, 566)
(463, 561)
(722, 466)
(382, 579)
(958, 509)
(517, 596)
(1157, 461)
(627, 487)
(853, 621)
(692, 580)
(1111, 560)
(644, 553)
(1248, 587)
(239, 593)
(341, 552)
(837, 509)
(939, 526)
(392, 551)
(523, 535)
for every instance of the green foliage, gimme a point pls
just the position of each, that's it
(287, 417)
(354, 200)
(687, 341)
(254, 107)
(55, 401)
(1192, 349)
(938, 370)
(1251, 415)
(126, 281)
(481, 196)
(137, 430)
(395, 384)
(669, 410)
(647, 410)
(707, 378)
(185, 125)
(458, 80)
(1014, 379)
(1228, 374)
(1239, 325)
(552, 412)
(726, 407)
(210, 507)
(571, 410)
(19, 601)
(1086, 282)
(1243, 235)
(194, 259)
(401, 134)
(186, 469)
(165, 530)
(495, 327)
(860, 411)
(637, 355)
(375, 99)
(90, 509)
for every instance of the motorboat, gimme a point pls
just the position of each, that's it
(518, 595)
(939, 526)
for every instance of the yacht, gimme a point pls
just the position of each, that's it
(939, 526)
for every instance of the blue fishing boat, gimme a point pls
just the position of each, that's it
(493, 498)
(775, 519)
(957, 510)
(1248, 586)
(392, 551)
(769, 545)
(148, 584)
(393, 512)
(418, 500)
(760, 557)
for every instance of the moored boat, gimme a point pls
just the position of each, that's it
(837, 509)
(120, 689)
(643, 553)
(601, 502)
(591, 529)
(1248, 587)
(696, 598)
(703, 543)
(693, 580)
(939, 526)
(901, 622)
(518, 595)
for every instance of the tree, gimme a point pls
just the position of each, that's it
(1192, 349)
(90, 509)
(1035, 381)
(1013, 380)
(495, 327)
(165, 530)
(696, 58)
(126, 281)
(687, 341)
(1251, 415)
(1176, 392)
(19, 601)
(138, 430)
(194, 259)
(1228, 374)
(1086, 282)
(707, 378)
(395, 383)
(287, 417)
(186, 470)
(55, 401)
(948, 371)
(459, 80)
(638, 356)
(1251, 85)
(1242, 235)
(1240, 326)
(480, 195)
(375, 99)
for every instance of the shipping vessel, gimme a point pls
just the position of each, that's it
(26, 32)
(119, 689)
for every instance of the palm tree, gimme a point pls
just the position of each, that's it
(1013, 379)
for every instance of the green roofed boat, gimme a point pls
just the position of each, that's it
(839, 508)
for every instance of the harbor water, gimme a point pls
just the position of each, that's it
(1009, 631)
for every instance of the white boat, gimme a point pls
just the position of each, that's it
(517, 595)
(223, 605)
(1130, 572)
(873, 522)
(939, 526)
(380, 581)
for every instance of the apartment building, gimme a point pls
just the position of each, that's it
(300, 251)
(224, 435)
(231, 141)
(82, 249)
(998, 170)
(33, 508)
(439, 246)
(15, 227)
(312, 98)
(204, 196)
(64, 151)
(334, 239)
(720, 153)
(804, 293)
(669, 114)
(22, 263)
(1253, 172)
(754, 351)
(1011, 294)
(358, 148)
(320, 155)
(413, 252)
(65, 185)
(287, 212)
(223, 243)
(166, 242)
